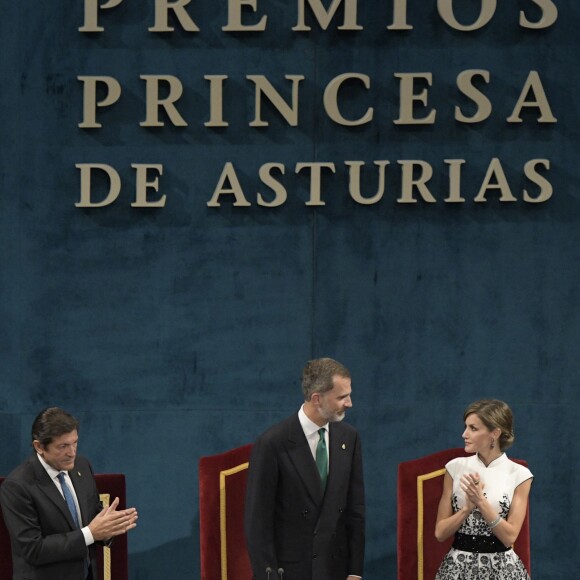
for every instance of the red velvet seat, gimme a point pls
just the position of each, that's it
(113, 562)
(5, 549)
(222, 492)
(419, 488)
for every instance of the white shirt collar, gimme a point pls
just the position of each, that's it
(309, 427)
(52, 472)
(497, 461)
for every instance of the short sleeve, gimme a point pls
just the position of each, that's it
(452, 467)
(522, 474)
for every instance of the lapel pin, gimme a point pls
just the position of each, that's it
(344, 445)
(79, 473)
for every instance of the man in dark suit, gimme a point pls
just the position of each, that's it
(305, 509)
(51, 506)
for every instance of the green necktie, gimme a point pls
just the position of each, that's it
(322, 457)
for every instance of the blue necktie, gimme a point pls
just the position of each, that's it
(70, 502)
(69, 498)
(322, 457)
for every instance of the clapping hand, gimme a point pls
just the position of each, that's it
(472, 486)
(110, 522)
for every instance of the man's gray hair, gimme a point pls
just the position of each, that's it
(318, 375)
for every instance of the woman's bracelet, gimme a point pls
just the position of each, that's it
(495, 522)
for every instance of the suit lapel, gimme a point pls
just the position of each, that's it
(47, 486)
(301, 457)
(339, 453)
(79, 480)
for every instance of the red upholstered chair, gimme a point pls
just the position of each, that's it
(222, 492)
(112, 561)
(419, 488)
(5, 549)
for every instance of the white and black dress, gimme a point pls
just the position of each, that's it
(476, 553)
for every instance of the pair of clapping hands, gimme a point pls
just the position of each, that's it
(472, 486)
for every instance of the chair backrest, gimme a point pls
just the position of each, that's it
(419, 488)
(222, 492)
(113, 562)
(5, 549)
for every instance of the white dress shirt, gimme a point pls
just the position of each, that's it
(311, 431)
(53, 474)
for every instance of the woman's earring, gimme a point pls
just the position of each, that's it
(492, 446)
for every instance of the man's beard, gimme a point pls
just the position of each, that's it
(333, 417)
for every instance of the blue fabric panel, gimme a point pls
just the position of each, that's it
(181, 331)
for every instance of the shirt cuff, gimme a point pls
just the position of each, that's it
(89, 540)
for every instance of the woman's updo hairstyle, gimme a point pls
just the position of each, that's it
(494, 414)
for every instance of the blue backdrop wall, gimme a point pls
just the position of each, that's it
(180, 330)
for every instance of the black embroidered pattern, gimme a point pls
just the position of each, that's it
(475, 525)
(471, 566)
(460, 565)
(504, 504)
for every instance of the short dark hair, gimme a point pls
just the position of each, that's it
(494, 414)
(318, 375)
(52, 423)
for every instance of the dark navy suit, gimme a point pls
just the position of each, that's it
(46, 545)
(290, 522)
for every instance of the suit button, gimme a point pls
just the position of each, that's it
(315, 556)
(315, 532)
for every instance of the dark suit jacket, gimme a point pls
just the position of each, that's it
(290, 522)
(45, 543)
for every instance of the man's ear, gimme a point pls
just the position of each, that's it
(38, 446)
